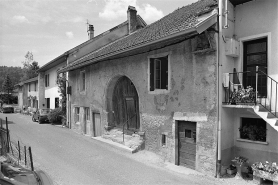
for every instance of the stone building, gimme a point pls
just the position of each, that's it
(160, 80)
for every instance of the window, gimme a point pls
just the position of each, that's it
(255, 54)
(163, 139)
(76, 114)
(253, 129)
(87, 114)
(47, 103)
(35, 86)
(29, 87)
(46, 78)
(83, 81)
(56, 102)
(159, 73)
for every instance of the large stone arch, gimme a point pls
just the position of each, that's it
(125, 96)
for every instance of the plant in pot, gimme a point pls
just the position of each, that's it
(239, 162)
(231, 170)
(242, 95)
(265, 170)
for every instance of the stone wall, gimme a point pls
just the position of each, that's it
(192, 94)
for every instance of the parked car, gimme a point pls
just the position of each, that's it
(16, 175)
(41, 115)
(7, 109)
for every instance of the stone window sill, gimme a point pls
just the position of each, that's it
(255, 142)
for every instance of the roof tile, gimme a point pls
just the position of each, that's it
(181, 19)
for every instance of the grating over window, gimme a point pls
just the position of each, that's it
(253, 129)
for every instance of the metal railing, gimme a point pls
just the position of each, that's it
(251, 87)
(269, 103)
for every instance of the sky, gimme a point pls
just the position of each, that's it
(48, 28)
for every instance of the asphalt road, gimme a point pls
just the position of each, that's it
(72, 159)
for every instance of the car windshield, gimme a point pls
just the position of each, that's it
(45, 111)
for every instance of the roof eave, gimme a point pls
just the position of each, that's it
(199, 28)
(205, 24)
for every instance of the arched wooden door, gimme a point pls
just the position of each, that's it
(125, 104)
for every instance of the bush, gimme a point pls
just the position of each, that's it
(55, 116)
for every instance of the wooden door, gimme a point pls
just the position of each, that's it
(96, 124)
(187, 144)
(125, 104)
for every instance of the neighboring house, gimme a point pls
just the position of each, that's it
(28, 93)
(161, 80)
(250, 40)
(49, 95)
(48, 89)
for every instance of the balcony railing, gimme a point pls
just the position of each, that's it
(251, 88)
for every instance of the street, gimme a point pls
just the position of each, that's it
(71, 158)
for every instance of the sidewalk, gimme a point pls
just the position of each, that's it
(115, 139)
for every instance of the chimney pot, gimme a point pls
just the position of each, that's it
(90, 31)
(132, 18)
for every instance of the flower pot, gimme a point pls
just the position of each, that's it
(265, 175)
(231, 171)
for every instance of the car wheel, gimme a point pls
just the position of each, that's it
(40, 121)
(33, 119)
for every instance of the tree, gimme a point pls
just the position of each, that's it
(7, 87)
(61, 81)
(30, 67)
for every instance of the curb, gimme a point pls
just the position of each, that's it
(115, 145)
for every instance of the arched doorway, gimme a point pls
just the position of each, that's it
(125, 104)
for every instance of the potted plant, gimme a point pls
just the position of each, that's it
(231, 170)
(265, 170)
(239, 162)
(242, 95)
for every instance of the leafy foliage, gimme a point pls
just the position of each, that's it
(239, 160)
(271, 168)
(7, 87)
(253, 132)
(242, 95)
(15, 74)
(61, 81)
(30, 67)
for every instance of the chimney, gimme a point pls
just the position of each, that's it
(90, 31)
(131, 18)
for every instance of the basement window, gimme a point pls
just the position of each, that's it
(253, 129)
(163, 139)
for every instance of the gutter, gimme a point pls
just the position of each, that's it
(199, 28)
(219, 70)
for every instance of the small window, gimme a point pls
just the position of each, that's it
(35, 86)
(56, 102)
(87, 113)
(29, 87)
(163, 139)
(253, 129)
(188, 133)
(76, 114)
(46, 78)
(83, 81)
(159, 73)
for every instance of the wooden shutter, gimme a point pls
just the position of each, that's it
(164, 72)
(151, 74)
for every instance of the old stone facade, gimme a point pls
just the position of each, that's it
(190, 96)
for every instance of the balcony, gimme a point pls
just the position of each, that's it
(251, 89)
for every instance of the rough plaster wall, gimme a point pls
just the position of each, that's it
(192, 89)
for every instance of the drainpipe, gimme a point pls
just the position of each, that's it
(219, 98)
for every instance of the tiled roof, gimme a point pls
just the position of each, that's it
(180, 20)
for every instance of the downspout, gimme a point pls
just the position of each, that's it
(220, 26)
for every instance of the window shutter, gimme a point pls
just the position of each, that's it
(164, 72)
(45, 80)
(151, 74)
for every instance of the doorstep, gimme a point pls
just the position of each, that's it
(115, 144)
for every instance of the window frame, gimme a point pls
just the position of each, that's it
(76, 115)
(29, 87)
(46, 80)
(250, 140)
(155, 90)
